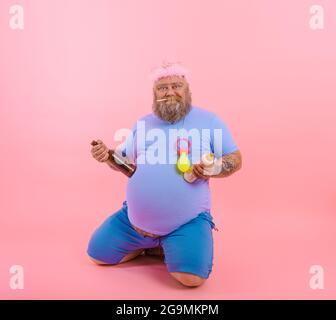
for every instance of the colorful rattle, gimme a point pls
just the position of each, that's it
(183, 163)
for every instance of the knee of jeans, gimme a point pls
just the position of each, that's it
(99, 262)
(101, 259)
(97, 253)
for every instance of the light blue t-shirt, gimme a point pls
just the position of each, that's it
(159, 199)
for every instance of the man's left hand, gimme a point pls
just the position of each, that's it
(205, 172)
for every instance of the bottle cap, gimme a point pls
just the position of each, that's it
(208, 158)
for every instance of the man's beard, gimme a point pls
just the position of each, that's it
(171, 110)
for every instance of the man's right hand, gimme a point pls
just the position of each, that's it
(100, 152)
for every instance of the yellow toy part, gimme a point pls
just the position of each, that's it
(183, 163)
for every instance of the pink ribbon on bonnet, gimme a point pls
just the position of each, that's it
(168, 69)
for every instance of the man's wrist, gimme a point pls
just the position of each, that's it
(228, 165)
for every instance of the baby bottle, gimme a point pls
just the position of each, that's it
(207, 160)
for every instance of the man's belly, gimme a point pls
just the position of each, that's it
(159, 199)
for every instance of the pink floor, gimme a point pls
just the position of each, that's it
(258, 255)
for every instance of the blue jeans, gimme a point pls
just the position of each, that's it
(187, 249)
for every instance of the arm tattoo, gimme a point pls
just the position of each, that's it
(230, 163)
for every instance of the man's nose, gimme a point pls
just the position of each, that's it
(170, 92)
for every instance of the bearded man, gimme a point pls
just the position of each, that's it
(163, 212)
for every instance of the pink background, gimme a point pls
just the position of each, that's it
(79, 71)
